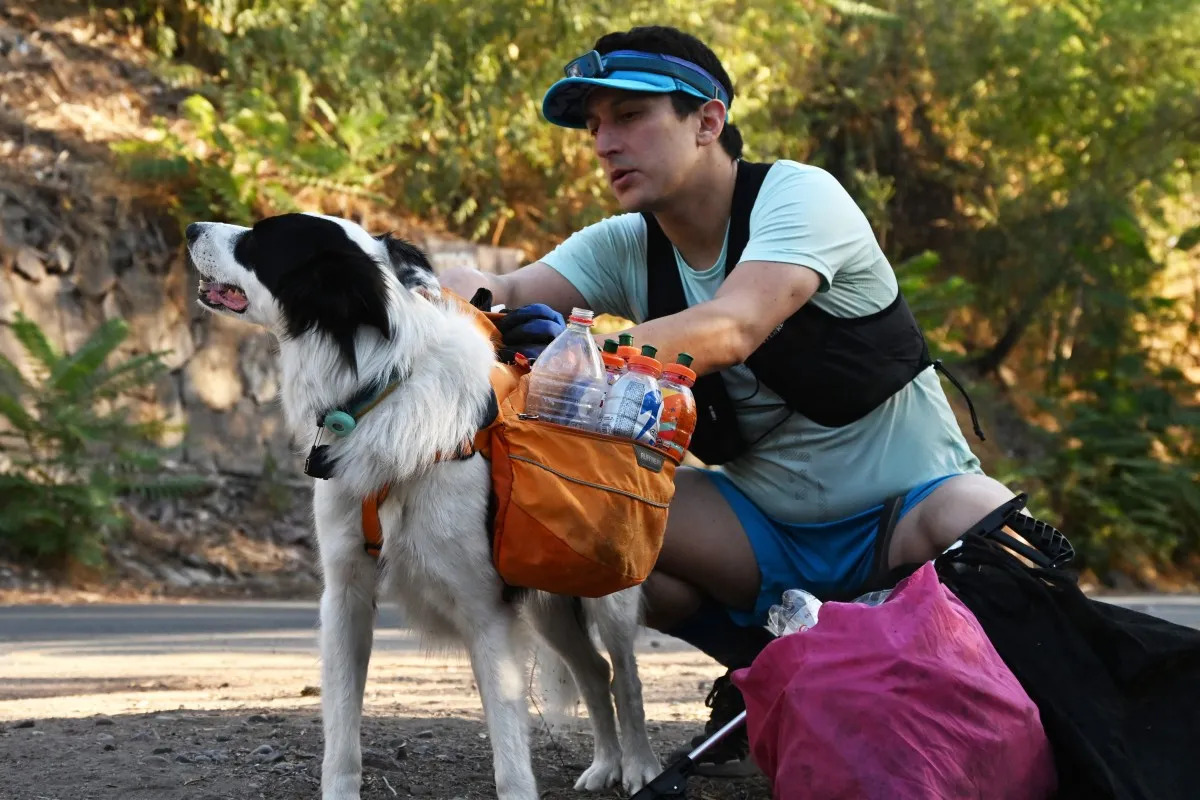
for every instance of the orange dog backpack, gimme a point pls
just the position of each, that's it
(575, 512)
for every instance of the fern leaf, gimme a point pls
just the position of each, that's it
(70, 374)
(11, 380)
(115, 381)
(11, 409)
(35, 342)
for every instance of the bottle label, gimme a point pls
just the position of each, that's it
(678, 421)
(632, 409)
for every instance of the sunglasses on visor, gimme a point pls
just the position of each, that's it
(594, 65)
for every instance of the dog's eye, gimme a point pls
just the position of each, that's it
(244, 248)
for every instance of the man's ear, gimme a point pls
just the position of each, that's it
(712, 122)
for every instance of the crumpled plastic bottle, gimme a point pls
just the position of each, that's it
(798, 612)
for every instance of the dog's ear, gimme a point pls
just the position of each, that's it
(411, 266)
(339, 290)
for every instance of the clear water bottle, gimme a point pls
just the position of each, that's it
(567, 383)
(799, 611)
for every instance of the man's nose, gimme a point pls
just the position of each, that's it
(606, 142)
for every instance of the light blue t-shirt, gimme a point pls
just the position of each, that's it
(796, 471)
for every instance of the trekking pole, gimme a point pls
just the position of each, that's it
(672, 782)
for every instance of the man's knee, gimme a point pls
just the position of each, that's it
(945, 515)
(668, 601)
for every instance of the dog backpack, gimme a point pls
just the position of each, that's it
(573, 512)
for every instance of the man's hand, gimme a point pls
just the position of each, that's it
(465, 281)
(528, 329)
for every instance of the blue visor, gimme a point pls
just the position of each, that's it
(626, 70)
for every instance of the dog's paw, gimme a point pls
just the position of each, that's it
(603, 773)
(638, 770)
(342, 787)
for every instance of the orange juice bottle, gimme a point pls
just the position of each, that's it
(678, 421)
(625, 347)
(614, 365)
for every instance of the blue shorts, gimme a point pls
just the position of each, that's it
(827, 558)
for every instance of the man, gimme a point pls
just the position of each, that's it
(839, 455)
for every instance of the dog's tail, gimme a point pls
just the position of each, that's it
(557, 696)
(553, 690)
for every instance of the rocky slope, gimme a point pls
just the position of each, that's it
(80, 243)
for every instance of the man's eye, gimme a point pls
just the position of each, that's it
(630, 115)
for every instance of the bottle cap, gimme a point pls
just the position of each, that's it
(649, 350)
(684, 359)
(650, 364)
(683, 373)
(610, 346)
(626, 349)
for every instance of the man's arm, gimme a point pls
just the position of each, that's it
(533, 283)
(753, 301)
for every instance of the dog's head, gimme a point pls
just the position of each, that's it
(301, 273)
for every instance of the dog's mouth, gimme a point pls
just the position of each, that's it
(215, 294)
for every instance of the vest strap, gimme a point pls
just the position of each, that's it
(718, 437)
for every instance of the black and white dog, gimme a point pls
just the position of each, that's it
(354, 313)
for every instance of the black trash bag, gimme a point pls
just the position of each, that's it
(1118, 690)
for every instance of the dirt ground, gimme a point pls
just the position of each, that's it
(157, 719)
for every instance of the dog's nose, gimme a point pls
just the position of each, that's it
(193, 232)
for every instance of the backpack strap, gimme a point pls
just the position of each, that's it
(718, 437)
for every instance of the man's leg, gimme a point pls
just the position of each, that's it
(707, 565)
(937, 521)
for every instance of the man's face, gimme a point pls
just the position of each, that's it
(646, 150)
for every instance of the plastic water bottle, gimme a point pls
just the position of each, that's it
(567, 383)
(798, 612)
(633, 406)
(678, 421)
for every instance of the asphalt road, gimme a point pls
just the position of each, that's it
(288, 627)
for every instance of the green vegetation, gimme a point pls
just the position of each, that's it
(70, 449)
(1025, 163)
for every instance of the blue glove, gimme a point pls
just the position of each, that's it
(528, 329)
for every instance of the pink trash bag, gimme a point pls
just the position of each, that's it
(907, 699)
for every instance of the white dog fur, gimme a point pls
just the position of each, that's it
(436, 558)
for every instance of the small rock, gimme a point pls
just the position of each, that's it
(377, 760)
(104, 737)
(310, 691)
(160, 750)
(156, 761)
(109, 746)
(223, 737)
(31, 264)
(256, 719)
(104, 721)
(425, 735)
(448, 758)
(165, 717)
(401, 751)
(25, 723)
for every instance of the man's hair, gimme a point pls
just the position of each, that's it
(673, 42)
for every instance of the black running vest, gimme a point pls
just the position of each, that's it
(830, 369)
